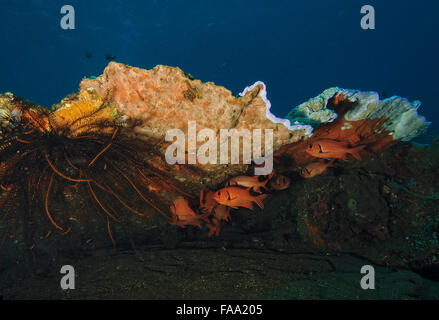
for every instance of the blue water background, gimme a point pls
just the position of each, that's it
(298, 48)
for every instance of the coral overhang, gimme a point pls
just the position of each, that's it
(165, 98)
(147, 103)
(142, 105)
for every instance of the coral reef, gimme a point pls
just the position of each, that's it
(154, 101)
(164, 98)
(362, 119)
(105, 148)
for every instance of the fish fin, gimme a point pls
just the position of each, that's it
(256, 189)
(355, 152)
(268, 178)
(259, 199)
(230, 198)
(204, 217)
(247, 205)
(213, 228)
(270, 175)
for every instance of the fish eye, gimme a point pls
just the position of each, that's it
(310, 146)
(219, 193)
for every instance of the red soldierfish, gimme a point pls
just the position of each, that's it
(250, 182)
(315, 168)
(238, 197)
(183, 215)
(332, 149)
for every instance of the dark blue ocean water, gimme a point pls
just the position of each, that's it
(298, 48)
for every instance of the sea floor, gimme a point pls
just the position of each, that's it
(206, 273)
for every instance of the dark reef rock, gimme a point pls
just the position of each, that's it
(381, 211)
(91, 173)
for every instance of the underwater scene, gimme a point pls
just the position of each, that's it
(219, 150)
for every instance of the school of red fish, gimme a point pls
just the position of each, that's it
(244, 191)
(215, 206)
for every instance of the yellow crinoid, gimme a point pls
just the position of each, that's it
(82, 114)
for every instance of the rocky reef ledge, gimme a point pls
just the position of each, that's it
(149, 103)
(346, 185)
(166, 98)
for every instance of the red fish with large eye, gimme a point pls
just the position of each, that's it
(332, 149)
(254, 182)
(238, 197)
(315, 168)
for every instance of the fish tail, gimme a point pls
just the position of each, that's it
(259, 199)
(204, 216)
(355, 152)
(213, 228)
(269, 177)
(257, 189)
(264, 184)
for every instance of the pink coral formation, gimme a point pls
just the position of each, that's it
(164, 98)
(151, 102)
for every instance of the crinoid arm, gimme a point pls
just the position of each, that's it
(76, 154)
